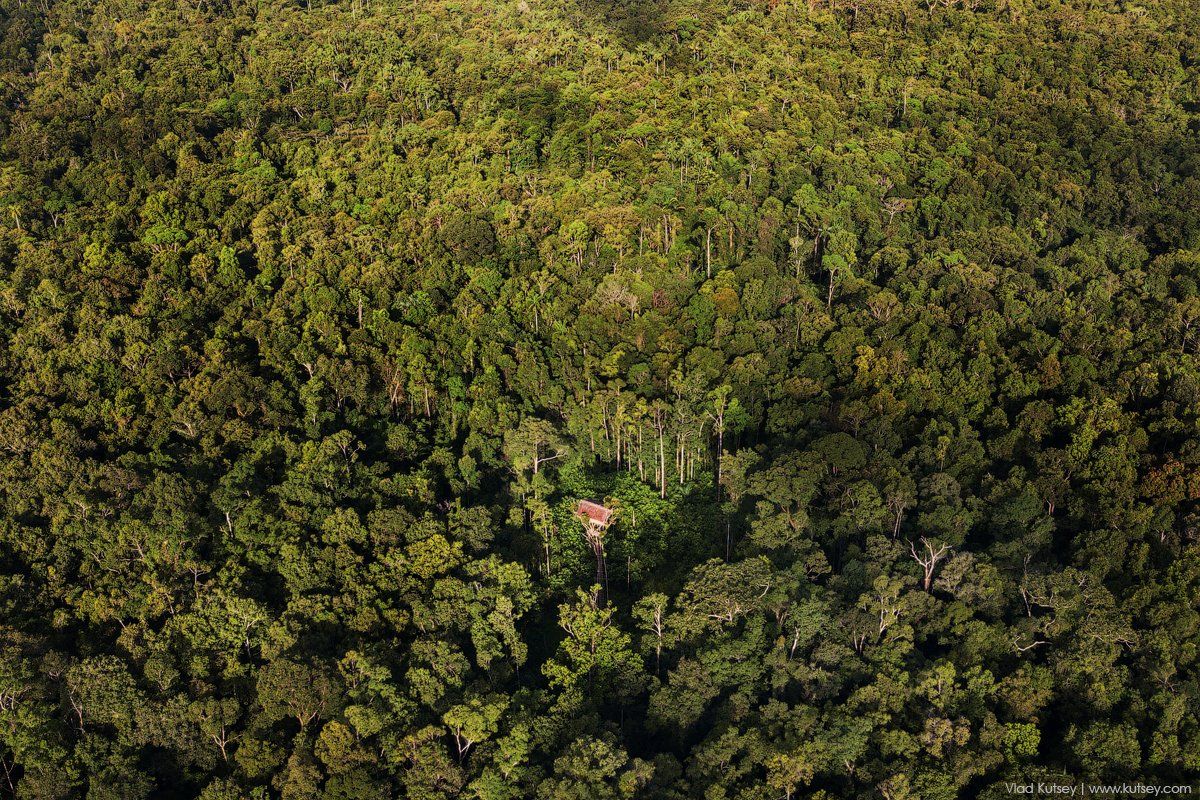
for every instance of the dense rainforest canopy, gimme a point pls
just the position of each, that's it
(875, 322)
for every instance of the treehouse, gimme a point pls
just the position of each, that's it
(596, 519)
(593, 515)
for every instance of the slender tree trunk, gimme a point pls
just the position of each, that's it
(617, 438)
(641, 466)
(720, 457)
(662, 466)
(601, 569)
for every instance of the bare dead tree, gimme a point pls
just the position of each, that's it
(929, 557)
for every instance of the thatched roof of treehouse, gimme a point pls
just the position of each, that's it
(594, 514)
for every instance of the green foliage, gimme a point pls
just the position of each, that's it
(876, 324)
